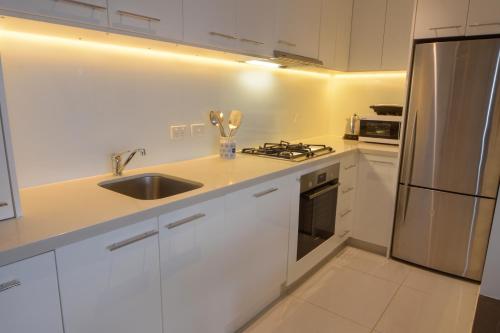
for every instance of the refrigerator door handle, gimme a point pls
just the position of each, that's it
(409, 152)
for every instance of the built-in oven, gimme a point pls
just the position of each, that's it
(318, 207)
(380, 129)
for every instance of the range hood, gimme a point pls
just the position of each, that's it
(286, 59)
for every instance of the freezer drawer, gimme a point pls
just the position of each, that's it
(444, 231)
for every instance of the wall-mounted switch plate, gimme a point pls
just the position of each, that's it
(197, 129)
(178, 132)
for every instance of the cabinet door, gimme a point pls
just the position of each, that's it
(152, 17)
(297, 26)
(484, 17)
(210, 23)
(111, 283)
(93, 12)
(441, 18)
(376, 198)
(335, 33)
(257, 227)
(6, 202)
(193, 253)
(255, 26)
(29, 296)
(347, 195)
(397, 36)
(367, 35)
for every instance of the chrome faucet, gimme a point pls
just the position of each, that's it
(118, 165)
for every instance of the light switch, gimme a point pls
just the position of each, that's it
(197, 129)
(177, 132)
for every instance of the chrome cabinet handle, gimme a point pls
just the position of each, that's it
(346, 212)
(245, 40)
(10, 284)
(350, 167)
(321, 192)
(382, 162)
(184, 221)
(347, 190)
(85, 4)
(266, 192)
(3, 204)
(135, 239)
(139, 16)
(284, 42)
(446, 27)
(218, 34)
(483, 24)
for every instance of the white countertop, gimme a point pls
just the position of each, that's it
(58, 214)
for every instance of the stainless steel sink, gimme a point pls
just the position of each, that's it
(150, 186)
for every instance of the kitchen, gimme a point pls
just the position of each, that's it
(214, 244)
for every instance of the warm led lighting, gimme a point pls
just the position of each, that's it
(263, 63)
(138, 51)
(367, 75)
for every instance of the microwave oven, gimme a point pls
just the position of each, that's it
(380, 129)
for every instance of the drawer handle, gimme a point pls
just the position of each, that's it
(135, 239)
(347, 190)
(85, 4)
(446, 27)
(3, 204)
(483, 24)
(284, 42)
(8, 285)
(382, 162)
(346, 212)
(266, 192)
(344, 234)
(350, 167)
(139, 16)
(218, 34)
(184, 221)
(245, 40)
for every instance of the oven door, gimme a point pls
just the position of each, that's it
(380, 129)
(316, 217)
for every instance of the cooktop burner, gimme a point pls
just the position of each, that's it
(293, 152)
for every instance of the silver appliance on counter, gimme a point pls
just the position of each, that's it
(318, 207)
(450, 169)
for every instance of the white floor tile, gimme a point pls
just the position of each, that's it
(349, 293)
(413, 311)
(431, 282)
(293, 315)
(373, 264)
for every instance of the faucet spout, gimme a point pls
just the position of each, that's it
(118, 165)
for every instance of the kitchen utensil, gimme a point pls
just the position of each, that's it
(235, 118)
(216, 119)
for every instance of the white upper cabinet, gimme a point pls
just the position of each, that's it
(152, 17)
(93, 12)
(257, 227)
(193, 254)
(367, 35)
(484, 17)
(397, 34)
(29, 296)
(111, 283)
(255, 26)
(335, 33)
(210, 23)
(297, 27)
(441, 18)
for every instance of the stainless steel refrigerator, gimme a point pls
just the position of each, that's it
(450, 166)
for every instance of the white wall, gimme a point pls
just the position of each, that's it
(72, 106)
(490, 285)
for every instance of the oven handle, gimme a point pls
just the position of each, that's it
(321, 192)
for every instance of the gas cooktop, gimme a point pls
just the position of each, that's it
(296, 152)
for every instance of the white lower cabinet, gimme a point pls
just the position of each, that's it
(111, 283)
(257, 228)
(193, 254)
(376, 193)
(29, 297)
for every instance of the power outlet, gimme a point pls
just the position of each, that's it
(197, 129)
(177, 132)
